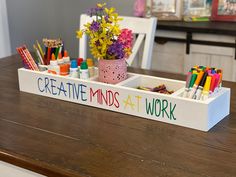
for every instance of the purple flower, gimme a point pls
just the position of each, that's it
(97, 11)
(107, 19)
(116, 50)
(94, 26)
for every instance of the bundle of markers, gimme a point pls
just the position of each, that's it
(202, 82)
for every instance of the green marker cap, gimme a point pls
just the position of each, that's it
(193, 78)
(84, 65)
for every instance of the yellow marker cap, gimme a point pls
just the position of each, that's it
(207, 84)
(90, 62)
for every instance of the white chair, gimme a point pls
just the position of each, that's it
(145, 29)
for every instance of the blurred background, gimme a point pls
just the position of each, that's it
(30, 20)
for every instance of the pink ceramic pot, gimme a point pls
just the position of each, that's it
(112, 71)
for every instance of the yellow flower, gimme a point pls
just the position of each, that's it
(106, 32)
(110, 11)
(101, 5)
(79, 34)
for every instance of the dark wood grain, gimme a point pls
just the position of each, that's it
(224, 28)
(58, 138)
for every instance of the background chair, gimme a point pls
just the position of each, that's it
(144, 28)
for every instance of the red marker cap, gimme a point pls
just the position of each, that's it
(79, 61)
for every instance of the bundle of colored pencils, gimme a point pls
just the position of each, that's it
(52, 46)
(27, 59)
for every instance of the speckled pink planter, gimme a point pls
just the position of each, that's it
(112, 71)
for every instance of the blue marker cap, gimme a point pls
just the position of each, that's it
(73, 64)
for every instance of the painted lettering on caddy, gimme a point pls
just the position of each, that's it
(107, 97)
(70, 90)
(161, 108)
(129, 102)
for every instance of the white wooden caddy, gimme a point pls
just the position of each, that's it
(125, 98)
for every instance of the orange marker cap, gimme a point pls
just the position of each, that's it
(53, 57)
(199, 78)
(64, 69)
(60, 56)
(66, 53)
(90, 62)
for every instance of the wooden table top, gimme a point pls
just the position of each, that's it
(58, 138)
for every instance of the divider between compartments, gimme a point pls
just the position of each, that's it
(131, 78)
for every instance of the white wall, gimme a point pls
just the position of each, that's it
(8, 170)
(5, 49)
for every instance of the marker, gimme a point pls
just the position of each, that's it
(220, 81)
(64, 70)
(91, 67)
(74, 69)
(216, 82)
(206, 89)
(60, 59)
(213, 79)
(66, 57)
(196, 83)
(53, 67)
(79, 61)
(200, 87)
(185, 94)
(193, 78)
(83, 72)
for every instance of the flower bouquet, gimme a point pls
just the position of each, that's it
(108, 43)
